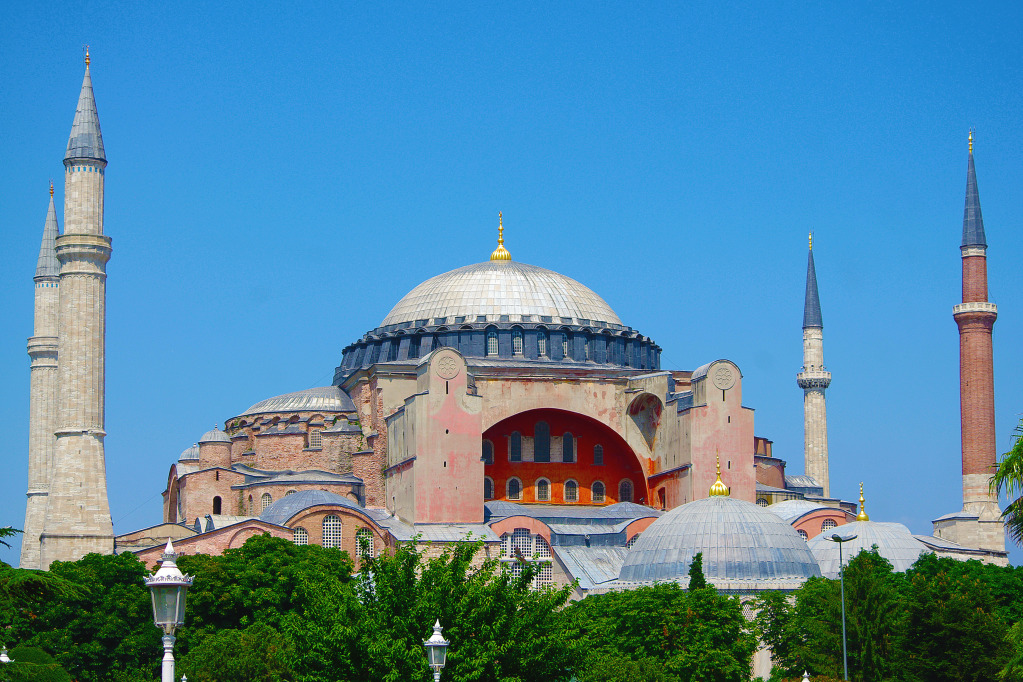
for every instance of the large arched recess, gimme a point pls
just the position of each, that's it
(619, 460)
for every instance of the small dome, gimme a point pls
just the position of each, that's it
(894, 542)
(191, 452)
(501, 287)
(283, 509)
(745, 547)
(215, 435)
(320, 399)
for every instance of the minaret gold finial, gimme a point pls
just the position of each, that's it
(971, 140)
(500, 253)
(51, 189)
(718, 489)
(862, 516)
(87, 55)
(811, 240)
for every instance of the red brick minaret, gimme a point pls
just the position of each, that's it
(979, 523)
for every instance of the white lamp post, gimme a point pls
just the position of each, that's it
(841, 578)
(168, 587)
(436, 650)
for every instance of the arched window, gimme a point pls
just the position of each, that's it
(828, 525)
(216, 504)
(515, 447)
(632, 541)
(315, 439)
(392, 350)
(522, 543)
(413, 347)
(488, 452)
(364, 542)
(564, 346)
(587, 348)
(290, 492)
(802, 534)
(491, 341)
(598, 454)
(514, 489)
(301, 536)
(571, 491)
(331, 531)
(250, 504)
(543, 490)
(541, 548)
(488, 488)
(541, 344)
(568, 448)
(516, 341)
(597, 491)
(265, 501)
(761, 502)
(541, 442)
(625, 491)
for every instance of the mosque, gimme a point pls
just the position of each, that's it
(500, 402)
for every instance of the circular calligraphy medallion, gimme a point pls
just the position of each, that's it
(447, 367)
(723, 377)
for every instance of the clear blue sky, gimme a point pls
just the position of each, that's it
(280, 175)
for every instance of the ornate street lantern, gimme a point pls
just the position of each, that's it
(168, 587)
(436, 650)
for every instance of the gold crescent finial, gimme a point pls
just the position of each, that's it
(811, 240)
(500, 253)
(718, 489)
(971, 140)
(86, 55)
(862, 516)
(51, 189)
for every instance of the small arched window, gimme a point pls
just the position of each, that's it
(597, 491)
(516, 342)
(364, 542)
(568, 448)
(392, 350)
(564, 346)
(761, 502)
(491, 341)
(803, 534)
(488, 452)
(598, 454)
(514, 489)
(488, 488)
(331, 531)
(315, 439)
(828, 525)
(625, 491)
(413, 347)
(290, 492)
(265, 501)
(543, 490)
(301, 536)
(541, 344)
(541, 442)
(515, 447)
(216, 504)
(571, 491)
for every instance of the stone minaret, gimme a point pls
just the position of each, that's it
(814, 380)
(77, 512)
(42, 349)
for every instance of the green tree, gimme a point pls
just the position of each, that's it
(259, 653)
(697, 581)
(1008, 479)
(30, 664)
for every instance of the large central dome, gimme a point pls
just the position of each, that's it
(499, 288)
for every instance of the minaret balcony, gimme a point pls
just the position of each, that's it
(975, 307)
(813, 378)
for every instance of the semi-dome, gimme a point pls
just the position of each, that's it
(894, 542)
(191, 452)
(499, 288)
(745, 547)
(215, 435)
(320, 399)
(283, 509)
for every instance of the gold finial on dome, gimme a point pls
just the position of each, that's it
(862, 516)
(51, 188)
(971, 140)
(500, 253)
(718, 489)
(86, 55)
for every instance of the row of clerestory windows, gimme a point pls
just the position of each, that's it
(331, 533)
(541, 447)
(542, 490)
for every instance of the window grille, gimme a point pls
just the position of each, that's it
(290, 492)
(597, 491)
(491, 342)
(568, 448)
(522, 543)
(517, 342)
(515, 449)
(632, 541)
(488, 452)
(541, 442)
(364, 542)
(598, 454)
(514, 489)
(571, 491)
(828, 525)
(265, 501)
(488, 488)
(541, 549)
(761, 502)
(803, 534)
(541, 344)
(315, 439)
(331, 531)
(625, 491)
(544, 575)
(301, 536)
(543, 490)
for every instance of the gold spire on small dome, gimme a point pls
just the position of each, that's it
(862, 516)
(500, 253)
(971, 140)
(51, 188)
(87, 55)
(718, 489)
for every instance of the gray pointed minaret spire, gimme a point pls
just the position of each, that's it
(814, 380)
(77, 511)
(973, 221)
(43, 380)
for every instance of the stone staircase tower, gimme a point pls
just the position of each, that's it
(77, 512)
(42, 349)
(814, 380)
